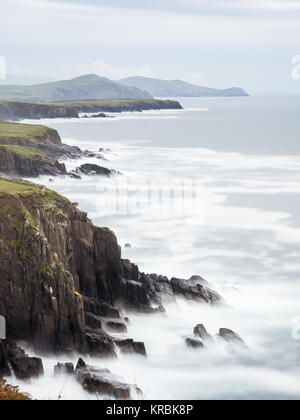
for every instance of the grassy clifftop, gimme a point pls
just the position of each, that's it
(119, 105)
(19, 188)
(32, 132)
(23, 150)
(15, 188)
(27, 135)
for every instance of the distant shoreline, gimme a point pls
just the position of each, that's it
(17, 110)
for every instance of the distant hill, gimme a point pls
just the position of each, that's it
(178, 88)
(80, 88)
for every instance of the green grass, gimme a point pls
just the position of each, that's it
(10, 187)
(15, 130)
(103, 102)
(15, 187)
(22, 151)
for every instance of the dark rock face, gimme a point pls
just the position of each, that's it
(100, 309)
(4, 359)
(201, 332)
(103, 382)
(232, 338)
(64, 368)
(194, 343)
(100, 344)
(24, 367)
(29, 166)
(130, 347)
(14, 111)
(27, 367)
(93, 321)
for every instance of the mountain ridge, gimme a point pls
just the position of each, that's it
(85, 87)
(179, 88)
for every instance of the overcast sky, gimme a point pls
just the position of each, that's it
(219, 43)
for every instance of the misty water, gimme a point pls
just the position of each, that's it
(243, 236)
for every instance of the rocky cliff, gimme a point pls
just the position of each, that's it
(61, 276)
(13, 111)
(28, 163)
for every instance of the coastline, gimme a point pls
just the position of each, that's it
(16, 110)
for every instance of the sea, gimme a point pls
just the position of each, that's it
(210, 190)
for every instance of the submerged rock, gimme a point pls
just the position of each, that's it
(194, 343)
(92, 169)
(64, 368)
(130, 346)
(201, 332)
(104, 383)
(232, 338)
(101, 115)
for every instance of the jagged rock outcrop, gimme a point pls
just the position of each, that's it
(201, 332)
(232, 339)
(68, 274)
(193, 289)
